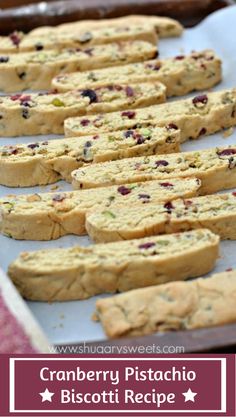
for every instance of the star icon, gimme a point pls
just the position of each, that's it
(189, 395)
(46, 395)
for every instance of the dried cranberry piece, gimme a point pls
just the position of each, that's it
(53, 91)
(145, 196)
(179, 57)
(232, 163)
(90, 94)
(4, 59)
(168, 206)
(234, 193)
(88, 51)
(25, 114)
(39, 46)
(95, 137)
(15, 38)
(166, 184)
(129, 114)
(123, 190)
(13, 151)
(15, 97)
(129, 91)
(84, 122)
(128, 133)
(33, 145)
(202, 131)
(59, 197)
(139, 139)
(161, 163)
(22, 75)
(117, 87)
(147, 245)
(24, 100)
(187, 204)
(25, 103)
(226, 152)
(154, 67)
(203, 99)
(172, 126)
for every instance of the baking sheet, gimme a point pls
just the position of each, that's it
(70, 322)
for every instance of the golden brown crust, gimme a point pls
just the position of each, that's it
(173, 306)
(165, 27)
(181, 74)
(216, 168)
(79, 273)
(216, 212)
(44, 113)
(46, 162)
(84, 39)
(201, 115)
(35, 70)
(49, 216)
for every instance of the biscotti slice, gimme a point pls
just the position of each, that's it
(181, 74)
(41, 163)
(216, 168)
(77, 39)
(215, 212)
(78, 273)
(42, 113)
(203, 114)
(164, 26)
(49, 216)
(204, 302)
(35, 70)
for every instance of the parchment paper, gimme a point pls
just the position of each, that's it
(70, 322)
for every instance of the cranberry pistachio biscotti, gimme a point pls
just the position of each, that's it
(78, 273)
(42, 113)
(216, 212)
(41, 163)
(216, 168)
(165, 27)
(181, 74)
(16, 43)
(203, 114)
(49, 216)
(35, 70)
(204, 302)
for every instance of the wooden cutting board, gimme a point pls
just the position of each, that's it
(30, 14)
